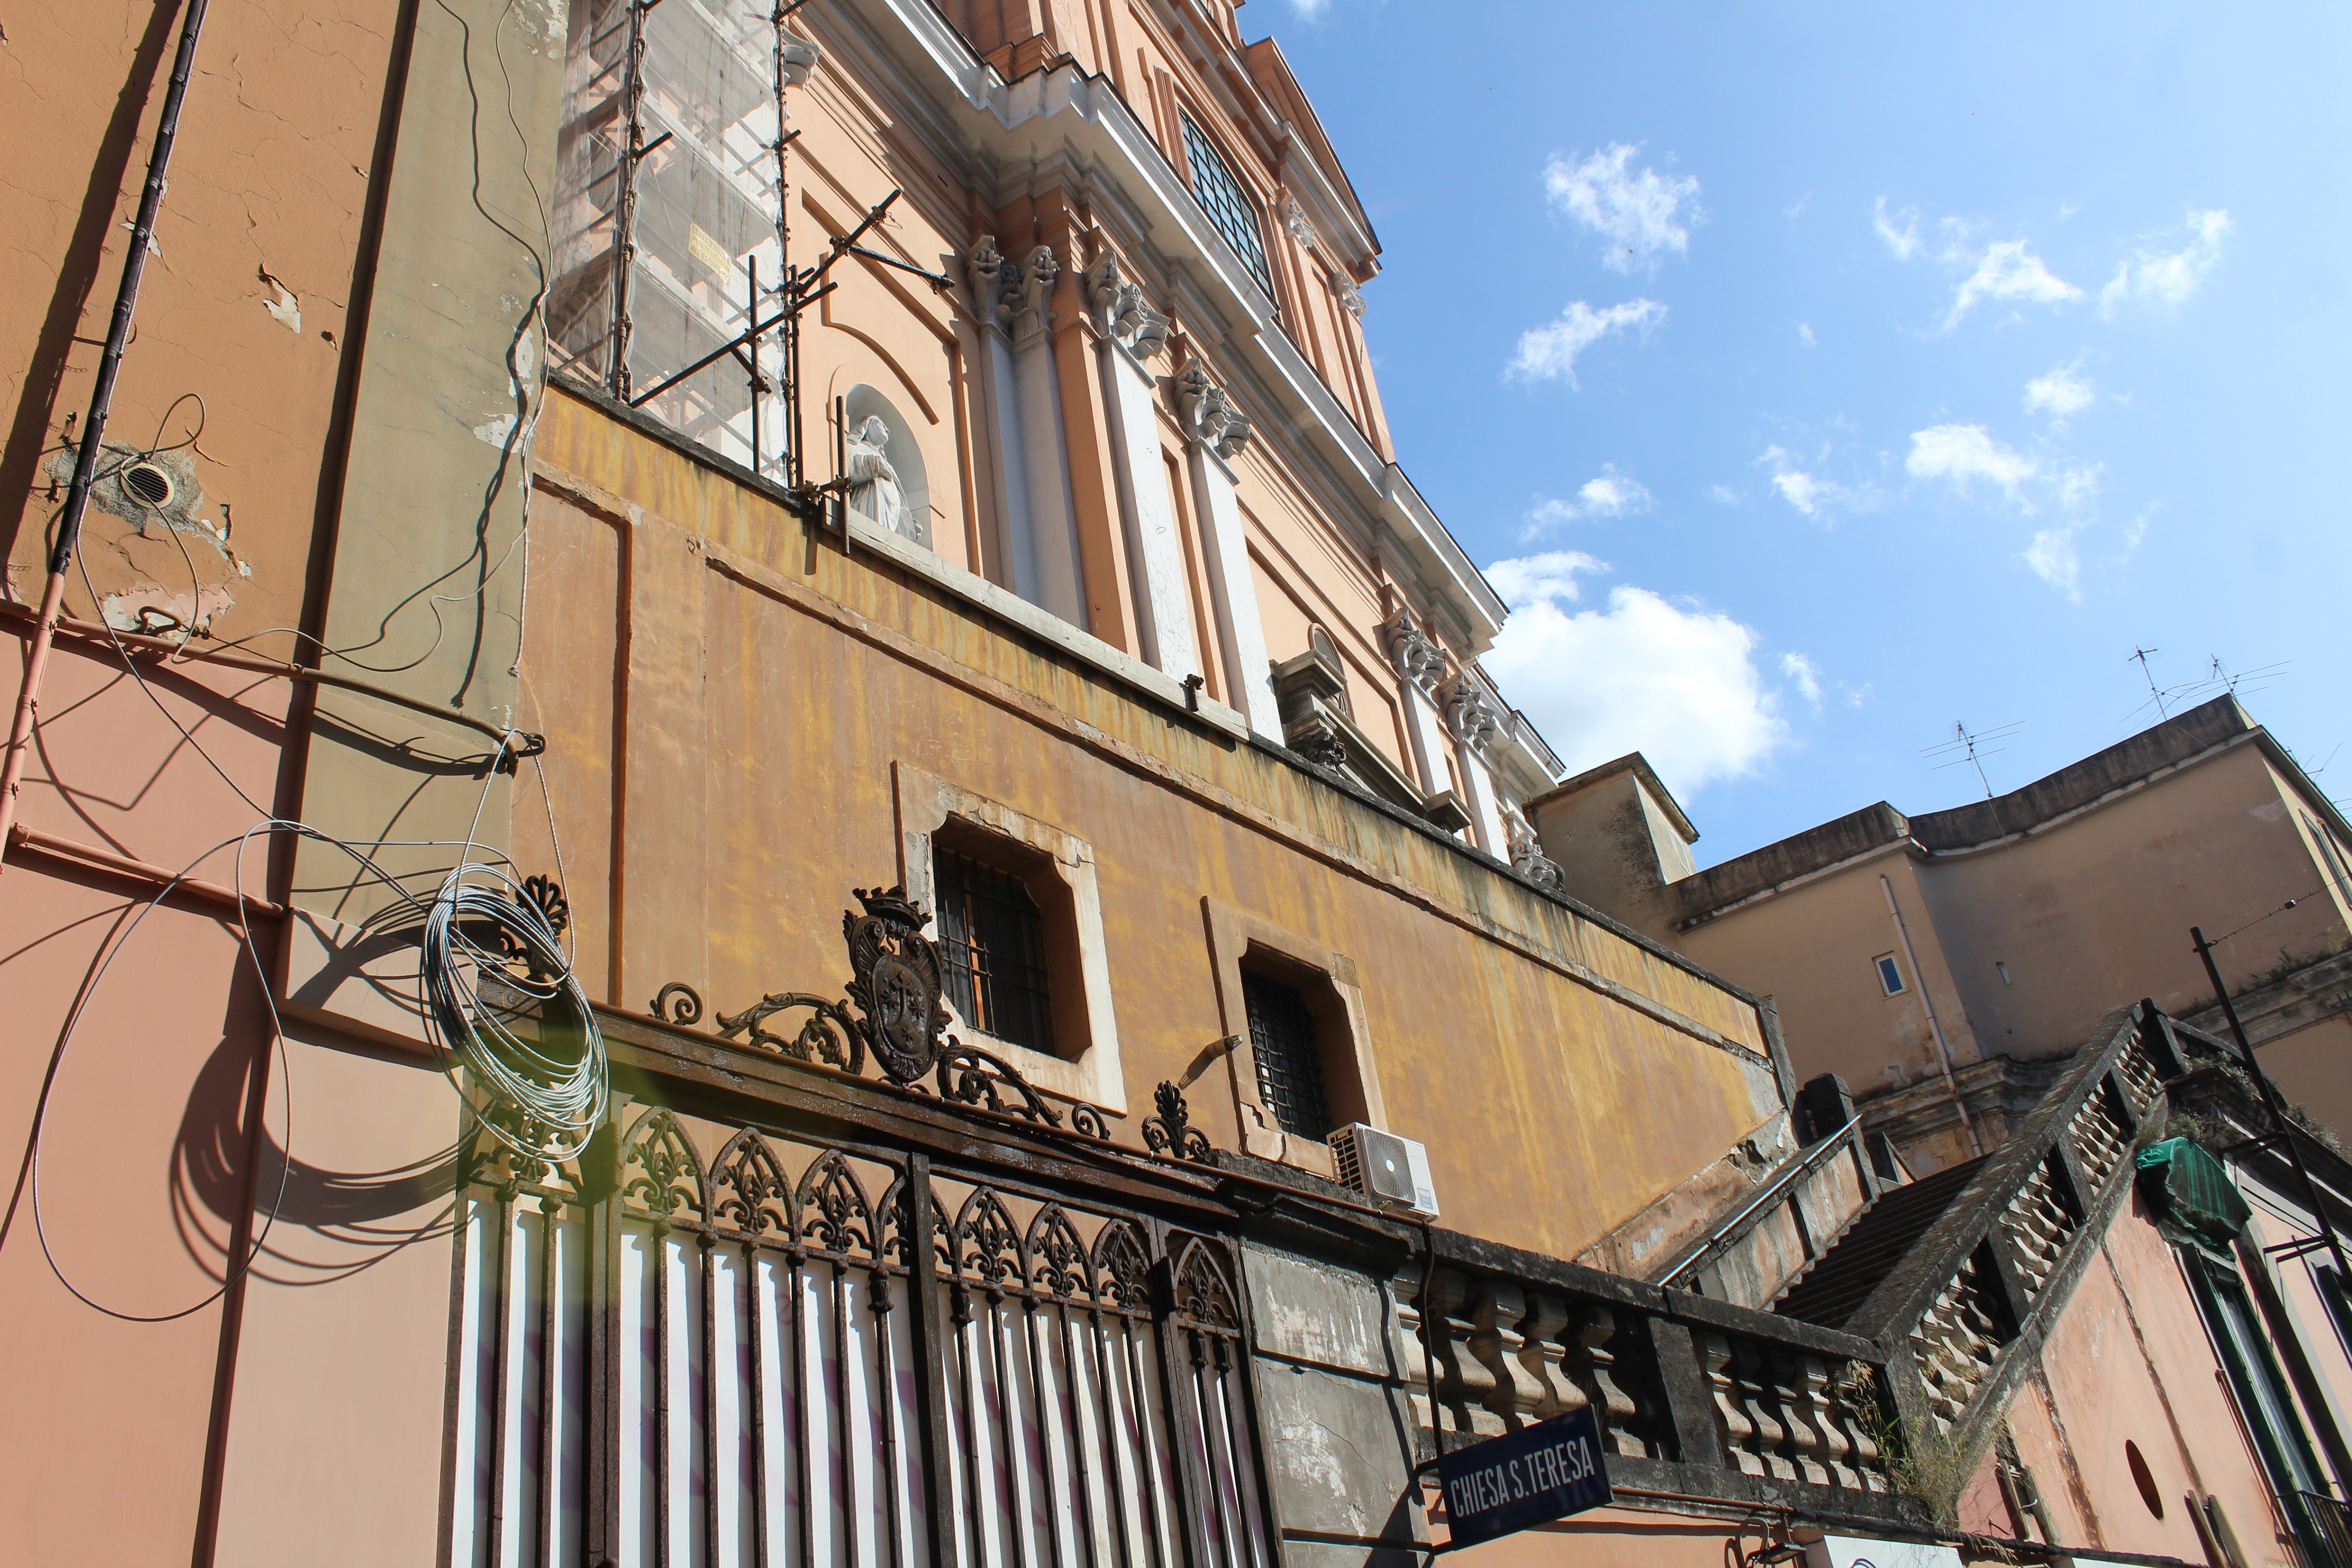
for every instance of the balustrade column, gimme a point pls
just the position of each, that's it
(1498, 1343)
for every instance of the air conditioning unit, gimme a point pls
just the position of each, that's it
(1385, 1168)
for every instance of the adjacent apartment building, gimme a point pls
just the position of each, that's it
(1944, 963)
(754, 825)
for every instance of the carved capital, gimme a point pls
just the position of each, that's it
(1209, 414)
(1416, 658)
(993, 280)
(1351, 300)
(1527, 857)
(1033, 294)
(1121, 311)
(1300, 229)
(796, 56)
(1469, 713)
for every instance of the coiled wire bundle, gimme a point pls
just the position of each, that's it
(553, 1078)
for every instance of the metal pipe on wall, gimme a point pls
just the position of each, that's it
(102, 403)
(1935, 1024)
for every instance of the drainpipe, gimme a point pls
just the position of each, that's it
(1935, 1025)
(102, 403)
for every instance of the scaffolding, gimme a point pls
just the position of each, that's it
(672, 195)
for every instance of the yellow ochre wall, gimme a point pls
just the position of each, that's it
(725, 695)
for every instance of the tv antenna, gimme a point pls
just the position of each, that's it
(2140, 657)
(1968, 749)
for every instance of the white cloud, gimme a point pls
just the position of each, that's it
(1725, 496)
(1796, 483)
(2169, 278)
(1549, 353)
(1607, 494)
(1964, 454)
(1640, 215)
(1801, 668)
(1311, 10)
(2009, 270)
(1675, 683)
(2055, 561)
(2064, 391)
(1537, 579)
(1902, 238)
(1805, 335)
(1800, 489)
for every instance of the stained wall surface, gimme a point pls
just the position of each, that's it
(770, 685)
(2128, 1363)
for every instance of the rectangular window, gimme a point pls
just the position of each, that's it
(991, 938)
(1228, 206)
(1890, 974)
(1289, 1065)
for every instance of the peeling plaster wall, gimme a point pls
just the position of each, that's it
(425, 578)
(2128, 1363)
(239, 345)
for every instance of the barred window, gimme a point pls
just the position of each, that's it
(992, 936)
(1289, 1065)
(1228, 206)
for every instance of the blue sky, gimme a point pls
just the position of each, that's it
(1814, 377)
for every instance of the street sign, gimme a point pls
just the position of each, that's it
(1532, 1476)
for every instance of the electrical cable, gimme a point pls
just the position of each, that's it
(470, 929)
(562, 1098)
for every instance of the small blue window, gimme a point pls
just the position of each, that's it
(1890, 976)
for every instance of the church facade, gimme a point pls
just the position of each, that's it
(759, 826)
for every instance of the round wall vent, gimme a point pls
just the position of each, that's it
(146, 482)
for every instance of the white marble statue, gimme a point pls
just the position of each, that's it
(874, 487)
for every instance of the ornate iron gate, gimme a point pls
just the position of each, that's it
(805, 1351)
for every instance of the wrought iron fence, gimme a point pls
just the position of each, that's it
(2327, 1528)
(804, 1352)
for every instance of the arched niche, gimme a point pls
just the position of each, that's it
(905, 453)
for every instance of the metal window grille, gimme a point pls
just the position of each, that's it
(1289, 1067)
(991, 937)
(1222, 197)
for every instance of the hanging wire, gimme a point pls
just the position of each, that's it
(480, 919)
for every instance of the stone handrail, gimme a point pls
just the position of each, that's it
(1956, 1322)
(1693, 1396)
(1785, 1190)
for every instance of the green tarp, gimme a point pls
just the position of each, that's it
(2192, 1193)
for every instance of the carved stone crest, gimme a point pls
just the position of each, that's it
(896, 983)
